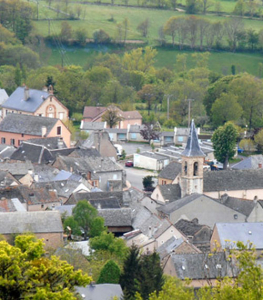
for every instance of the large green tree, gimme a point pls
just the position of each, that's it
(26, 273)
(112, 116)
(110, 273)
(224, 142)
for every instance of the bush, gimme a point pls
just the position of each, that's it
(101, 37)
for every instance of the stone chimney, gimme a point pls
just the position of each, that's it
(44, 131)
(51, 90)
(60, 143)
(26, 93)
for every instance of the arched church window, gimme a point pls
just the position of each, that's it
(185, 168)
(195, 168)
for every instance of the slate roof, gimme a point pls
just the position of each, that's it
(45, 173)
(168, 246)
(6, 179)
(108, 203)
(100, 291)
(243, 232)
(16, 168)
(182, 131)
(6, 151)
(162, 228)
(83, 152)
(76, 197)
(170, 207)
(6, 205)
(26, 124)
(17, 100)
(136, 128)
(36, 222)
(49, 142)
(231, 180)
(132, 195)
(170, 192)
(92, 125)
(192, 147)
(3, 96)
(244, 207)
(35, 153)
(201, 265)
(116, 217)
(65, 209)
(171, 171)
(153, 155)
(251, 162)
(188, 228)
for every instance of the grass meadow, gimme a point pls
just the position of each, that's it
(99, 17)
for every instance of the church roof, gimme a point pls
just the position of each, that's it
(192, 147)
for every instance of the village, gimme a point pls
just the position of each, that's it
(190, 209)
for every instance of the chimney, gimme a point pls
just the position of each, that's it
(26, 93)
(60, 143)
(51, 90)
(260, 166)
(44, 131)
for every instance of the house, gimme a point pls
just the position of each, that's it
(146, 244)
(16, 128)
(17, 169)
(95, 113)
(226, 235)
(100, 172)
(166, 138)
(100, 140)
(45, 225)
(251, 162)
(180, 135)
(208, 211)
(117, 134)
(150, 160)
(243, 184)
(164, 194)
(104, 291)
(197, 234)
(36, 103)
(203, 269)
(170, 174)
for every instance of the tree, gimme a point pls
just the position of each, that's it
(240, 8)
(193, 6)
(233, 27)
(147, 94)
(170, 27)
(27, 273)
(108, 242)
(206, 4)
(224, 143)
(247, 145)
(18, 75)
(143, 27)
(148, 182)
(150, 132)
(112, 116)
(97, 227)
(81, 36)
(226, 108)
(66, 31)
(130, 274)
(141, 274)
(101, 37)
(259, 140)
(84, 214)
(110, 273)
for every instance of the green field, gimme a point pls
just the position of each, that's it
(98, 16)
(219, 61)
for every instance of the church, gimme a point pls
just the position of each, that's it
(191, 178)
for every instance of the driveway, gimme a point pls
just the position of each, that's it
(135, 176)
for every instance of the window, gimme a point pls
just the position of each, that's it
(12, 142)
(163, 182)
(133, 136)
(19, 142)
(180, 138)
(40, 115)
(22, 134)
(61, 115)
(51, 115)
(59, 130)
(2, 140)
(196, 169)
(185, 168)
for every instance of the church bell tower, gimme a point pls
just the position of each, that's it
(192, 165)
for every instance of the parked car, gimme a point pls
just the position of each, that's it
(129, 163)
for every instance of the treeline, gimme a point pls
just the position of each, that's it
(132, 82)
(199, 33)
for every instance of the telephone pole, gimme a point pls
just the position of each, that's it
(189, 110)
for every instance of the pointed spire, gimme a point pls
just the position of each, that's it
(192, 147)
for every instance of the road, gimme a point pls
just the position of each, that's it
(135, 176)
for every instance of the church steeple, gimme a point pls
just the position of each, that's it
(192, 165)
(192, 147)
